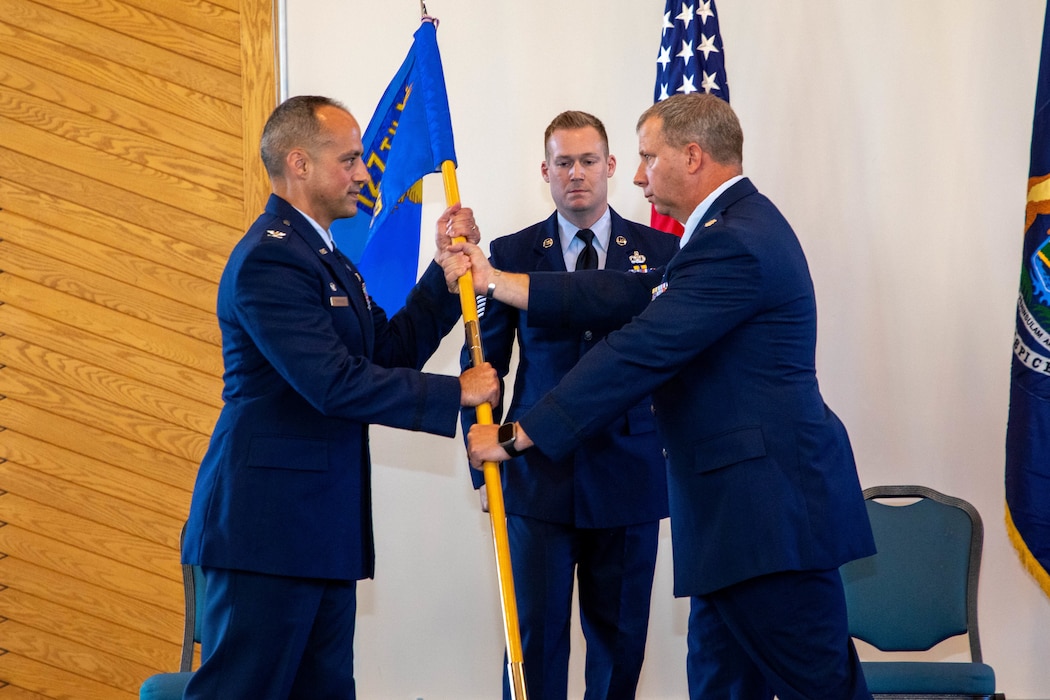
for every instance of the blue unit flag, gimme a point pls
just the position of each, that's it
(1028, 428)
(409, 136)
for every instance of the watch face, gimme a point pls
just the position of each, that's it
(505, 434)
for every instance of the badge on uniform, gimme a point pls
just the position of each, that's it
(339, 301)
(659, 289)
(621, 241)
(274, 233)
(364, 290)
(548, 242)
(638, 262)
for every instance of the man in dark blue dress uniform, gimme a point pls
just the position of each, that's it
(281, 515)
(765, 500)
(595, 512)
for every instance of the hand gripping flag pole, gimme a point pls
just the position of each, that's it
(409, 136)
(493, 488)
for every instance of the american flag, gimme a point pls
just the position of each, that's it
(691, 57)
(690, 60)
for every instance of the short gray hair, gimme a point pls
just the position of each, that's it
(293, 124)
(703, 119)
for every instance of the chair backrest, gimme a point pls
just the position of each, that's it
(193, 588)
(171, 686)
(193, 596)
(921, 587)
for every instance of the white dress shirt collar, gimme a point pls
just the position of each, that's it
(325, 236)
(571, 245)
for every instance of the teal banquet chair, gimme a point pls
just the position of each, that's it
(920, 589)
(170, 686)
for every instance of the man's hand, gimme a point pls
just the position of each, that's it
(456, 222)
(455, 265)
(483, 444)
(462, 257)
(510, 288)
(479, 385)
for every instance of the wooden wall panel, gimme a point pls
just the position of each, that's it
(85, 159)
(164, 467)
(79, 280)
(120, 111)
(128, 169)
(109, 262)
(135, 364)
(113, 203)
(10, 692)
(143, 243)
(99, 69)
(83, 32)
(79, 308)
(157, 30)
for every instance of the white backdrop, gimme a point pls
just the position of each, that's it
(893, 135)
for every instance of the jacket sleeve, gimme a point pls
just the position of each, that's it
(710, 292)
(276, 295)
(598, 299)
(413, 334)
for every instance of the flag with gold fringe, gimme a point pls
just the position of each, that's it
(1028, 428)
(409, 136)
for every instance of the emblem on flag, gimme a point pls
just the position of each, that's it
(409, 136)
(1028, 428)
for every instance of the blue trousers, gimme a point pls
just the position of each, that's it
(275, 638)
(614, 571)
(783, 634)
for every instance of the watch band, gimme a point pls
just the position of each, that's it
(491, 290)
(507, 436)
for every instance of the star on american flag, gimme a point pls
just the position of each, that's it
(691, 57)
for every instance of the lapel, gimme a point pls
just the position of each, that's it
(354, 287)
(731, 196)
(547, 247)
(617, 257)
(347, 280)
(725, 200)
(550, 257)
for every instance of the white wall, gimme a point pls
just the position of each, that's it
(894, 136)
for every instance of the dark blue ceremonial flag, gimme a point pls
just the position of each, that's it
(1028, 429)
(690, 60)
(409, 136)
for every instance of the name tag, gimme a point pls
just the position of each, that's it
(339, 301)
(659, 289)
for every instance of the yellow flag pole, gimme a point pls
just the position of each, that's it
(493, 488)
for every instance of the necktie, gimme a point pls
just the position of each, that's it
(588, 257)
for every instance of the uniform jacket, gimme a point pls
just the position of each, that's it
(285, 486)
(617, 476)
(761, 475)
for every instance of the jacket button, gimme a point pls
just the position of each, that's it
(587, 335)
(652, 409)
